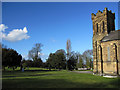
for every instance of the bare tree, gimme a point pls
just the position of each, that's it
(34, 52)
(3, 46)
(88, 56)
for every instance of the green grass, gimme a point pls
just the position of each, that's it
(31, 68)
(83, 70)
(42, 78)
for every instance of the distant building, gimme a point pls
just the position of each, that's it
(106, 43)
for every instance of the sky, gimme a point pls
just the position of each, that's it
(50, 23)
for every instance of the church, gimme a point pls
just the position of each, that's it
(106, 44)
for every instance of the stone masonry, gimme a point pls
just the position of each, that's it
(106, 44)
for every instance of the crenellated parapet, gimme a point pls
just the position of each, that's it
(103, 22)
(104, 13)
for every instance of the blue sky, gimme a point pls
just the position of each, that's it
(52, 24)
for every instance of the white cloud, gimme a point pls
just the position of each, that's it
(2, 27)
(14, 35)
(41, 54)
(25, 56)
(44, 57)
(53, 40)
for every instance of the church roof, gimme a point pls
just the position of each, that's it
(113, 35)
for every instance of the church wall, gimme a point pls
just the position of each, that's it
(110, 66)
(105, 59)
(119, 56)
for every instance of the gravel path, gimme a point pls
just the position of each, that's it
(83, 72)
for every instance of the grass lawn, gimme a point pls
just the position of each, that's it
(42, 78)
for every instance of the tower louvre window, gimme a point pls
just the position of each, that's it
(97, 27)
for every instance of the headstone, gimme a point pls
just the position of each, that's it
(22, 69)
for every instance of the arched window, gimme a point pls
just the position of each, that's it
(100, 58)
(115, 55)
(100, 52)
(115, 51)
(103, 26)
(108, 49)
(100, 28)
(96, 56)
(96, 49)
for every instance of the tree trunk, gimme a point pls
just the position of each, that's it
(50, 68)
(21, 67)
(3, 68)
(13, 68)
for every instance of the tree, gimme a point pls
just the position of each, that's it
(60, 60)
(49, 61)
(38, 62)
(68, 48)
(21, 64)
(80, 61)
(3, 46)
(71, 63)
(87, 62)
(88, 56)
(61, 51)
(4, 57)
(44, 65)
(27, 63)
(34, 53)
(0, 56)
(57, 60)
(10, 58)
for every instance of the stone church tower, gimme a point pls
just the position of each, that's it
(106, 43)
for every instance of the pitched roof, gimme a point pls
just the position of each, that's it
(113, 35)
